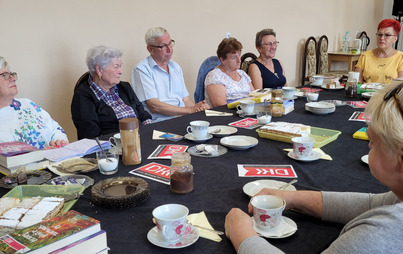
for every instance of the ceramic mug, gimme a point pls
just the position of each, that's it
(288, 92)
(302, 146)
(246, 106)
(267, 211)
(198, 129)
(317, 80)
(116, 142)
(171, 221)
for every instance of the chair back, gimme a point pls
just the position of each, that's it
(365, 41)
(309, 60)
(322, 55)
(246, 60)
(81, 80)
(208, 65)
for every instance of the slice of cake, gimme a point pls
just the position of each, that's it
(287, 129)
(29, 203)
(6, 203)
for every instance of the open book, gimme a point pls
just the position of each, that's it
(79, 148)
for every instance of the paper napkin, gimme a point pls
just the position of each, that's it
(200, 219)
(324, 155)
(216, 113)
(157, 134)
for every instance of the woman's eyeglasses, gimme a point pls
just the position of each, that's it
(395, 94)
(269, 45)
(8, 75)
(387, 36)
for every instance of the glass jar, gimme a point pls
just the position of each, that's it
(130, 136)
(351, 88)
(181, 171)
(276, 103)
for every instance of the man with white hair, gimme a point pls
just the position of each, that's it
(158, 80)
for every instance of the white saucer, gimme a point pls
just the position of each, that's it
(291, 228)
(315, 156)
(189, 238)
(191, 138)
(252, 188)
(239, 142)
(335, 88)
(224, 130)
(240, 112)
(365, 158)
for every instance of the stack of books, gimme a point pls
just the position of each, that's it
(15, 153)
(71, 232)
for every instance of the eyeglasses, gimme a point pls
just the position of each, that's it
(165, 46)
(269, 45)
(8, 75)
(395, 94)
(387, 36)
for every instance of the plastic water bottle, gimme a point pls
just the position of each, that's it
(346, 42)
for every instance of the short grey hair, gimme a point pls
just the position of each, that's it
(102, 56)
(3, 63)
(261, 34)
(154, 33)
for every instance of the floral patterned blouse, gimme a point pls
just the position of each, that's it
(234, 90)
(25, 121)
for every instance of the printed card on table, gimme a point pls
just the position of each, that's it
(166, 151)
(357, 104)
(153, 171)
(255, 170)
(357, 116)
(247, 123)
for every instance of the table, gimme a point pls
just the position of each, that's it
(218, 187)
(350, 58)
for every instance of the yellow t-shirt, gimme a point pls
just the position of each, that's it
(380, 70)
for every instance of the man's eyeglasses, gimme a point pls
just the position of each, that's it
(395, 94)
(165, 46)
(274, 44)
(387, 36)
(8, 75)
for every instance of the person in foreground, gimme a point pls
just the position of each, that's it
(22, 119)
(373, 222)
(384, 63)
(266, 71)
(100, 101)
(158, 80)
(227, 82)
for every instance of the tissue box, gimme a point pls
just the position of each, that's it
(288, 106)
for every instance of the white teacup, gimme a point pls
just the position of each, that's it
(246, 106)
(288, 92)
(171, 221)
(302, 146)
(267, 211)
(116, 141)
(317, 80)
(198, 129)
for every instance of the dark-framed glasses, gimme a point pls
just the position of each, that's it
(387, 36)
(165, 46)
(395, 94)
(271, 44)
(8, 75)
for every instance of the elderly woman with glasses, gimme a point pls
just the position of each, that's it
(266, 71)
(102, 99)
(22, 119)
(227, 82)
(384, 63)
(365, 215)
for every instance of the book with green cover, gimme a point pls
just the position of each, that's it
(50, 234)
(361, 134)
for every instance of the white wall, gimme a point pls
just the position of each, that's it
(46, 41)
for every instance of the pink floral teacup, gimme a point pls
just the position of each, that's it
(171, 221)
(267, 211)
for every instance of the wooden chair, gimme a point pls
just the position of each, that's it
(309, 67)
(364, 41)
(246, 60)
(323, 59)
(81, 80)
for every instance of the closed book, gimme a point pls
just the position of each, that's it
(259, 99)
(79, 148)
(28, 167)
(51, 234)
(91, 244)
(16, 153)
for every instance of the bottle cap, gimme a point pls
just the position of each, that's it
(129, 123)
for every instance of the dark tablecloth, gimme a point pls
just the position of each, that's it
(218, 187)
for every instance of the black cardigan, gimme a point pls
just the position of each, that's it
(93, 117)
